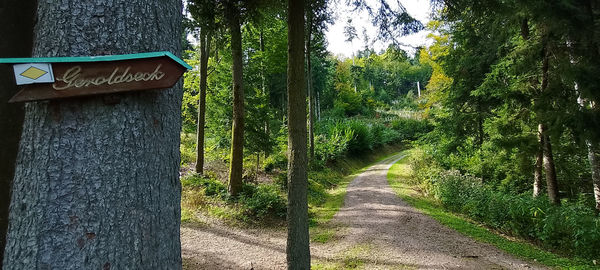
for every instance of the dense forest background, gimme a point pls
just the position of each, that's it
(501, 110)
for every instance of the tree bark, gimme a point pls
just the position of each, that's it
(16, 29)
(298, 251)
(594, 159)
(204, 53)
(537, 173)
(549, 168)
(96, 184)
(318, 101)
(263, 80)
(237, 130)
(311, 104)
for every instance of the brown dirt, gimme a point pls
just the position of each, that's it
(374, 230)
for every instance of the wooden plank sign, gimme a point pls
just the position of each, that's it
(85, 76)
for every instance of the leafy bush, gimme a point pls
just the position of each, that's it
(210, 185)
(263, 200)
(277, 160)
(572, 227)
(410, 129)
(189, 109)
(363, 138)
(334, 143)
(187, 148)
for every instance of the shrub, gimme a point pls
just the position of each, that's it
(410, 129)
(362, 140)
(333, 144)
(188, 148)
(210, 185)
(263, 200)
(572, 227)
(275, 161)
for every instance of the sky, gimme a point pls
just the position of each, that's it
(418, 9)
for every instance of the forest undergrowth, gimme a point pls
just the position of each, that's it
(344, 147)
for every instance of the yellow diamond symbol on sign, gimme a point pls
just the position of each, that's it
(33, 73)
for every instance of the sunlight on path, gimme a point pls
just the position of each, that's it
(383, 232)
(373, 230)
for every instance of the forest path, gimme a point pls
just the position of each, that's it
(384, 232)
(374, 229)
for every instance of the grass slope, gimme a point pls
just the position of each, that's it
(398, 177)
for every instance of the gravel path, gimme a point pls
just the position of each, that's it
(374, 230)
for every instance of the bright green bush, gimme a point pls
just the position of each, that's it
(572, 227)
(363, 138)
(333, 143)
(277, 160)
(210, 185)
(187, 148)
(410, 129)
(263, 200)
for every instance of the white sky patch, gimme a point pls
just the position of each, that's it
(337, 44)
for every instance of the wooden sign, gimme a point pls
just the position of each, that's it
(62, 77)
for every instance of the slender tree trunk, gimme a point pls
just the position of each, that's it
(96, 185)
(318, 107)
(311, 104)
(298, 251)
(262, 63)
(263, 81)
(593, 150)
(16, 29)
(479, 123)
(549, 168)
(257, 163)
(204, 53)
(594, 159)
(537, 173)
(539, 157)
(237, 129)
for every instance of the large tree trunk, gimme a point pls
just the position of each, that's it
(204, 51)
(298, 251)
(16, 30)
(311, 104)
(537, 173)
(97, 181)
(237, 130)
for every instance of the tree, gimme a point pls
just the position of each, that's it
(203, 13)
(232, 15)
(316, 16)
(298, 250)
(392, 22)
(97, 179)
(541, 65)
(16, 28)
(205, 39)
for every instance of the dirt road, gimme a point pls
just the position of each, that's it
(374, 230)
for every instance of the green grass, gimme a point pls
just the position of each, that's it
(320, 230)
(399, 175)
(349, 259)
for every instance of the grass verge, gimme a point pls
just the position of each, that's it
(398, 177)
